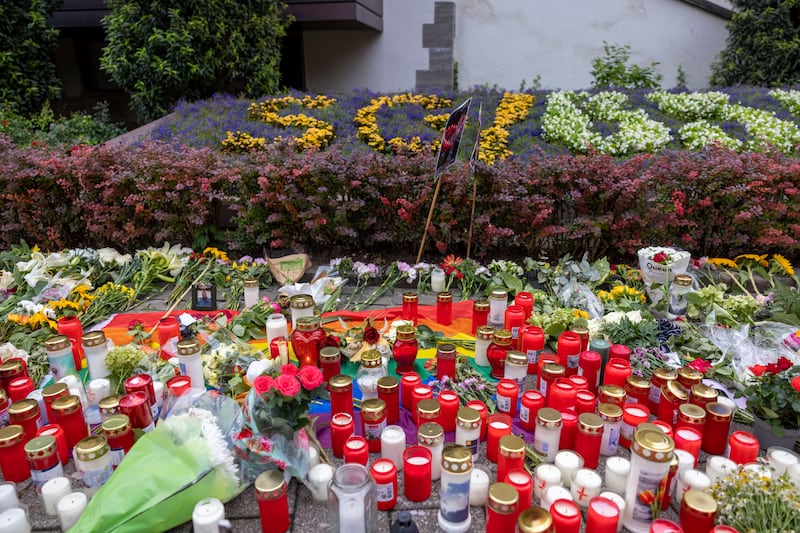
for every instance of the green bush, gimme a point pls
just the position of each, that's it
(163, 51)
(46, 128)
(27, 72)
(613, 70)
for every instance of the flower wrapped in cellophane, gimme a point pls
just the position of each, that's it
(186, 458)
(275, 414)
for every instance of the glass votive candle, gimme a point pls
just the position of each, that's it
(393, 444)
(620, 501)
(384, 473)
(417, 473)
(690, 480)
(553, 494)
(689, 439)
(544, 477)
(662, 525)
(568, 462)
(585, 402)
(483, 413)
(602, 516)
(511, 455)
(742, 447)
(548, 433)
(585, 485)
(69, 509)
(468, 430)
(419, 393)
(356, 450)
(8, 495)
(698, 511)
(448, 405)
(480, 314)
(389, 392)
(793, 471)
(479, 486)
(501, 508)
(407, 384)
(444, 308)
(507, 397)
(500, 425)
(318, 479)
(410, 307)
(342, 427)
(532, 401)
(781, 459)
(431, 436)
(616, 474)
(633, 414)
(718, 467)
(521, 480)
(566, 516)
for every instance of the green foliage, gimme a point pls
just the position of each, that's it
(163, 51)
(613, 70)
(46, 128)
(680, 78)
(763, 46)
(27, 42)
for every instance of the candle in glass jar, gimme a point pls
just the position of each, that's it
(373, 421)
(468, 430)
(531, 343)
(19, 388)
(716, 428)
(568, 462)
(698, 511)
(585, 402)
(637, 389)
(662, 525)
(445, 361)
(511, 455)
(521, 480)
(277, 327)
(319, 477)
(742, 447)
(589, 438)
(341, 391)
(498, 302)
(483, 412)
(42, 455)
(548, 374)
(431, 436)
(690, 415)
(428, 410)
(13, 464)
(393, 443)
(532, 401)
(569, 350)
(136, 407)
(500, 425)
(49, 394)
(589, 367)
(57, 432)
(781, 459)
(651, 455)
(14, 521)
(548, 433)
(330, 362)
(356, 450)
(619, 501)
(384, 473)
(342, 427)
(448, 405)
(437, 280)
(207, 515)
(544, 477)
(388, 392)
(444, 308)
(602, 516)
(70, 508)
(620, 351)
(405, 349)
(507, 397)
(478, 487)
(456, 469)
(617, 372)
(688, 439)
(407, 384)
(273, 501)
(516, 368)
(497, 351)
(417, 473)
(616, 474)
(501, 507)
(26, 413)
(702, 395)
(410, 307)
(569, 428)
(52, 491)
(690, 480)
(673, 394)
(480, 315)
(633, 414)
(561, 395)
(585, 485)
(483, 339)
(553, 494)
(566, 516)
(513, 321)
(419, 393)
(659, 377)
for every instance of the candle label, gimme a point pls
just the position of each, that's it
(655, 394)
(515, 332)
(533, 356)
(4, 417)
(525, 414)
(93, 479)
(373, 431)
(150, 427)
(472, 445)
(646, 491)
(610, 442)
(503, 404)
(454, 505)
(61, 365)
(117, 455)
(572, 360)
(626, 432)
(40, 477)
(385, 492)
(543, 386)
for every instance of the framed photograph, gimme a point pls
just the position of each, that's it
(204, 297)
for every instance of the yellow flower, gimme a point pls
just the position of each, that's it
(721, 261)
(760, 259)
(216, 253)
(579, 313)
(784, 264)
(35, 248)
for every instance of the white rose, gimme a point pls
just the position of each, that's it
(256, 368)
(6, 279)
(634, 316)
(107, 255)
(613, 317)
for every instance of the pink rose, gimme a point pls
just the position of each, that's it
(310, 377)
(287, 385)
(262, 384)
(289, 370)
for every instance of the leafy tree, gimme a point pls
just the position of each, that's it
(163, 51)
(613, 70)
(27, 72)
(763, 46)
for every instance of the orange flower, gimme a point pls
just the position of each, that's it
(796, 383)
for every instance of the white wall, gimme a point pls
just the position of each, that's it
(506, 41)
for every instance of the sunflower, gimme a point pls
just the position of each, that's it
(721, 261)
(216, 253)
(580, 313)
(784, 264)
(760, 259)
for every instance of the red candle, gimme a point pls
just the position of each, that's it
(26, 414)
(444, 308)
(579, 382)
(525, 300)
(12, 368)
(742, 447)
(341, 390)
(405, 349)
(136, 407)
(511, 455)
(688, 439)
(532, 401)
(566, 516)
(119, 434)
(589, 367)
(621, 351)
(702, 395)
(497, 351)
(448, 408)
(548, 373)
(13, 462)
(500, 425)
(19, 388)
(716, 428)
(521, 480)
(407, 384)
(507, 397)
(663, 426)
(483, 411)
(673, 394)
(617, 372)
(410, 307)
(143, 383)
(569, 350)
(723, 529)
(445, 361)
(480, 314)
(662, 525)
(330, 362)
(611, 394)
(585, 402)
(690, 415)
(602, 515)
(657, 380)
(569, 426)
(637, 389)
(273, 502)
(178, 385)
(698, 511)
(502, 508)
(531, 343)
(588, 439)
(417, 473)
(168, 328)
(514, 321)
(356, 450)
(342, 428)
(633, 414)
(428, 410)
(57, 432)
(561, 395)
(420, 392)
(373, 421)
(71, 327)
(689, 377)
(384, 473)
(388, 391)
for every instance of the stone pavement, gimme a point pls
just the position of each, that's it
(306, 514)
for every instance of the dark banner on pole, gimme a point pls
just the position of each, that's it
(476, 150)
(451, 138)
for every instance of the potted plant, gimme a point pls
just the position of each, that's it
(773, 396)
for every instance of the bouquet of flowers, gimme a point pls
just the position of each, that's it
(659, 264)
(275, 415)
(774, 395)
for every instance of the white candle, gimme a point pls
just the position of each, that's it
(718, 466)
(277, 327)
(685, 460)
(351, 515)
(478, 487)
(158, 388)
(8, 496)
(759, 469)
(585, 486)
(554, 493)
(616, 475)
(207, 515)
(318, 479)
(688, 480)
(14, 521)
(781, 459)
(69, 509)
(568, 462)
(619, 500)
(794, 474)
(97, 389)
(313, 457)
(393, 444)
(544, 477)
(53, 490)
(437, 280)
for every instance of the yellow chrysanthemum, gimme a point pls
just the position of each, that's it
(63, 304)
(760, 259)
(35, 248)
(784, 264)
(721, 261)
(216, 253)
(580, 313)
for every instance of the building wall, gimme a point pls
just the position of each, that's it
(504, 42)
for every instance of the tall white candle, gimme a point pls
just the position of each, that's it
(14, 521)
(70, 508)
(688, 480)
(53, 490)
(437, 280)
(794, 474)
(585, 486)
(8, 496)
(313, 456)
(544, 477)
(318, 479)
(277, 326)
(619, 500)
(478, 487)
(393, 444)
(781, 458)
(616, 475)
(568, 462)
(97, 389)
(718, 466)
(351, 515)
(554, 493)
(207, 515)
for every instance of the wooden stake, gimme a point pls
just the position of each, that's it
(472, 213)
(430, 216)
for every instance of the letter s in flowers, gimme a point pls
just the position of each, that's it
(287, 385)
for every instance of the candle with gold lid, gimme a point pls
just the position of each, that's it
(501, 507)
(410, 307)
(480, 314)
(42, 455)
(611, 394)
(13, 463)
(689, 377)
(612, 423)
(119, 434)
(673, 394)
(93, 462)
(698, 511)
(26, 413)
(273, 503)
(373, 422)
(637, 389)
(109, 406)
(702, 395)
(657, 380)
(483, 339)
(511, 455)
(431, 436)
(388, 391)
(691, 415)
(651, 456)
(535, 520)
(456, 472)
(341, 390)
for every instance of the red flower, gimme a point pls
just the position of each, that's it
(289, 370)
(134, 324)
(371, 335)
(757, 370)
(784, 364)
(310, 377)
(287, 385)
(262, 384)
(647, 497)
(796, 383)
(331, 340)
(661, 257)
(701, 365)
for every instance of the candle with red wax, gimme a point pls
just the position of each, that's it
(588, 438)
(532, 401)
(68, 413)
(500, 425)
(514, 321)
(569, 350)
(531, 343)
(445, 361)
(662, 525)
(520, 479)
(561, 395)
(407, 384)
(617, 372)
(168, 328)
(511, 455)
(448, 408)
(716, 428)
(507, 397)
(420, 392)
(410, 307)
(417, 473)
(61, 440)
(742, 447)
(19, 388)
(566, 516)
(388, 391)
(138, 410)
(589, 364)
(273, 502)
(569, 427)
(342, 428)
(356, 450)
(13, 462)
(585, 402)
(480, 314)
(341, 391)
(384, 473)
(444, 308)
(688, 439)
(621, 351)
(483, 411)
(72, 328)
(501, 508)
(602, 515)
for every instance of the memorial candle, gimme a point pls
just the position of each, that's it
(52, 491)
(499, 426)
(532, 401)
(535, 520)
(589, 438)
(483, 412)
(417, 473)
(13, 464)
(478, 487)
(742, 447)
(507, 397)
(511, 455)
(566, 516)
(602, 516)
(561, 395)
(70, 508)
(14, 521)
(480, 315)
(501, 508)
(393, 443)
(616, 474)
(688, 439)
(407, 384)
(448, 408)
(532, 344)
(207, 515)
(273, 502)
(569, 429)
(356, 450)
(431, 436)
(420, 392)
(521, 480)
(716, 428)
(553, 494)
(698, 511)
(617, 372)
(388, 391)
(342, 427)
(318, 478)
(456, 468)
(544, 477)
(589, 367)
(568, 462)
(341, 391)
(585, 402)
(585, 485)
(384, 473)
(410, 307)
(781, 459)
(8, 495)
(690, 480)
